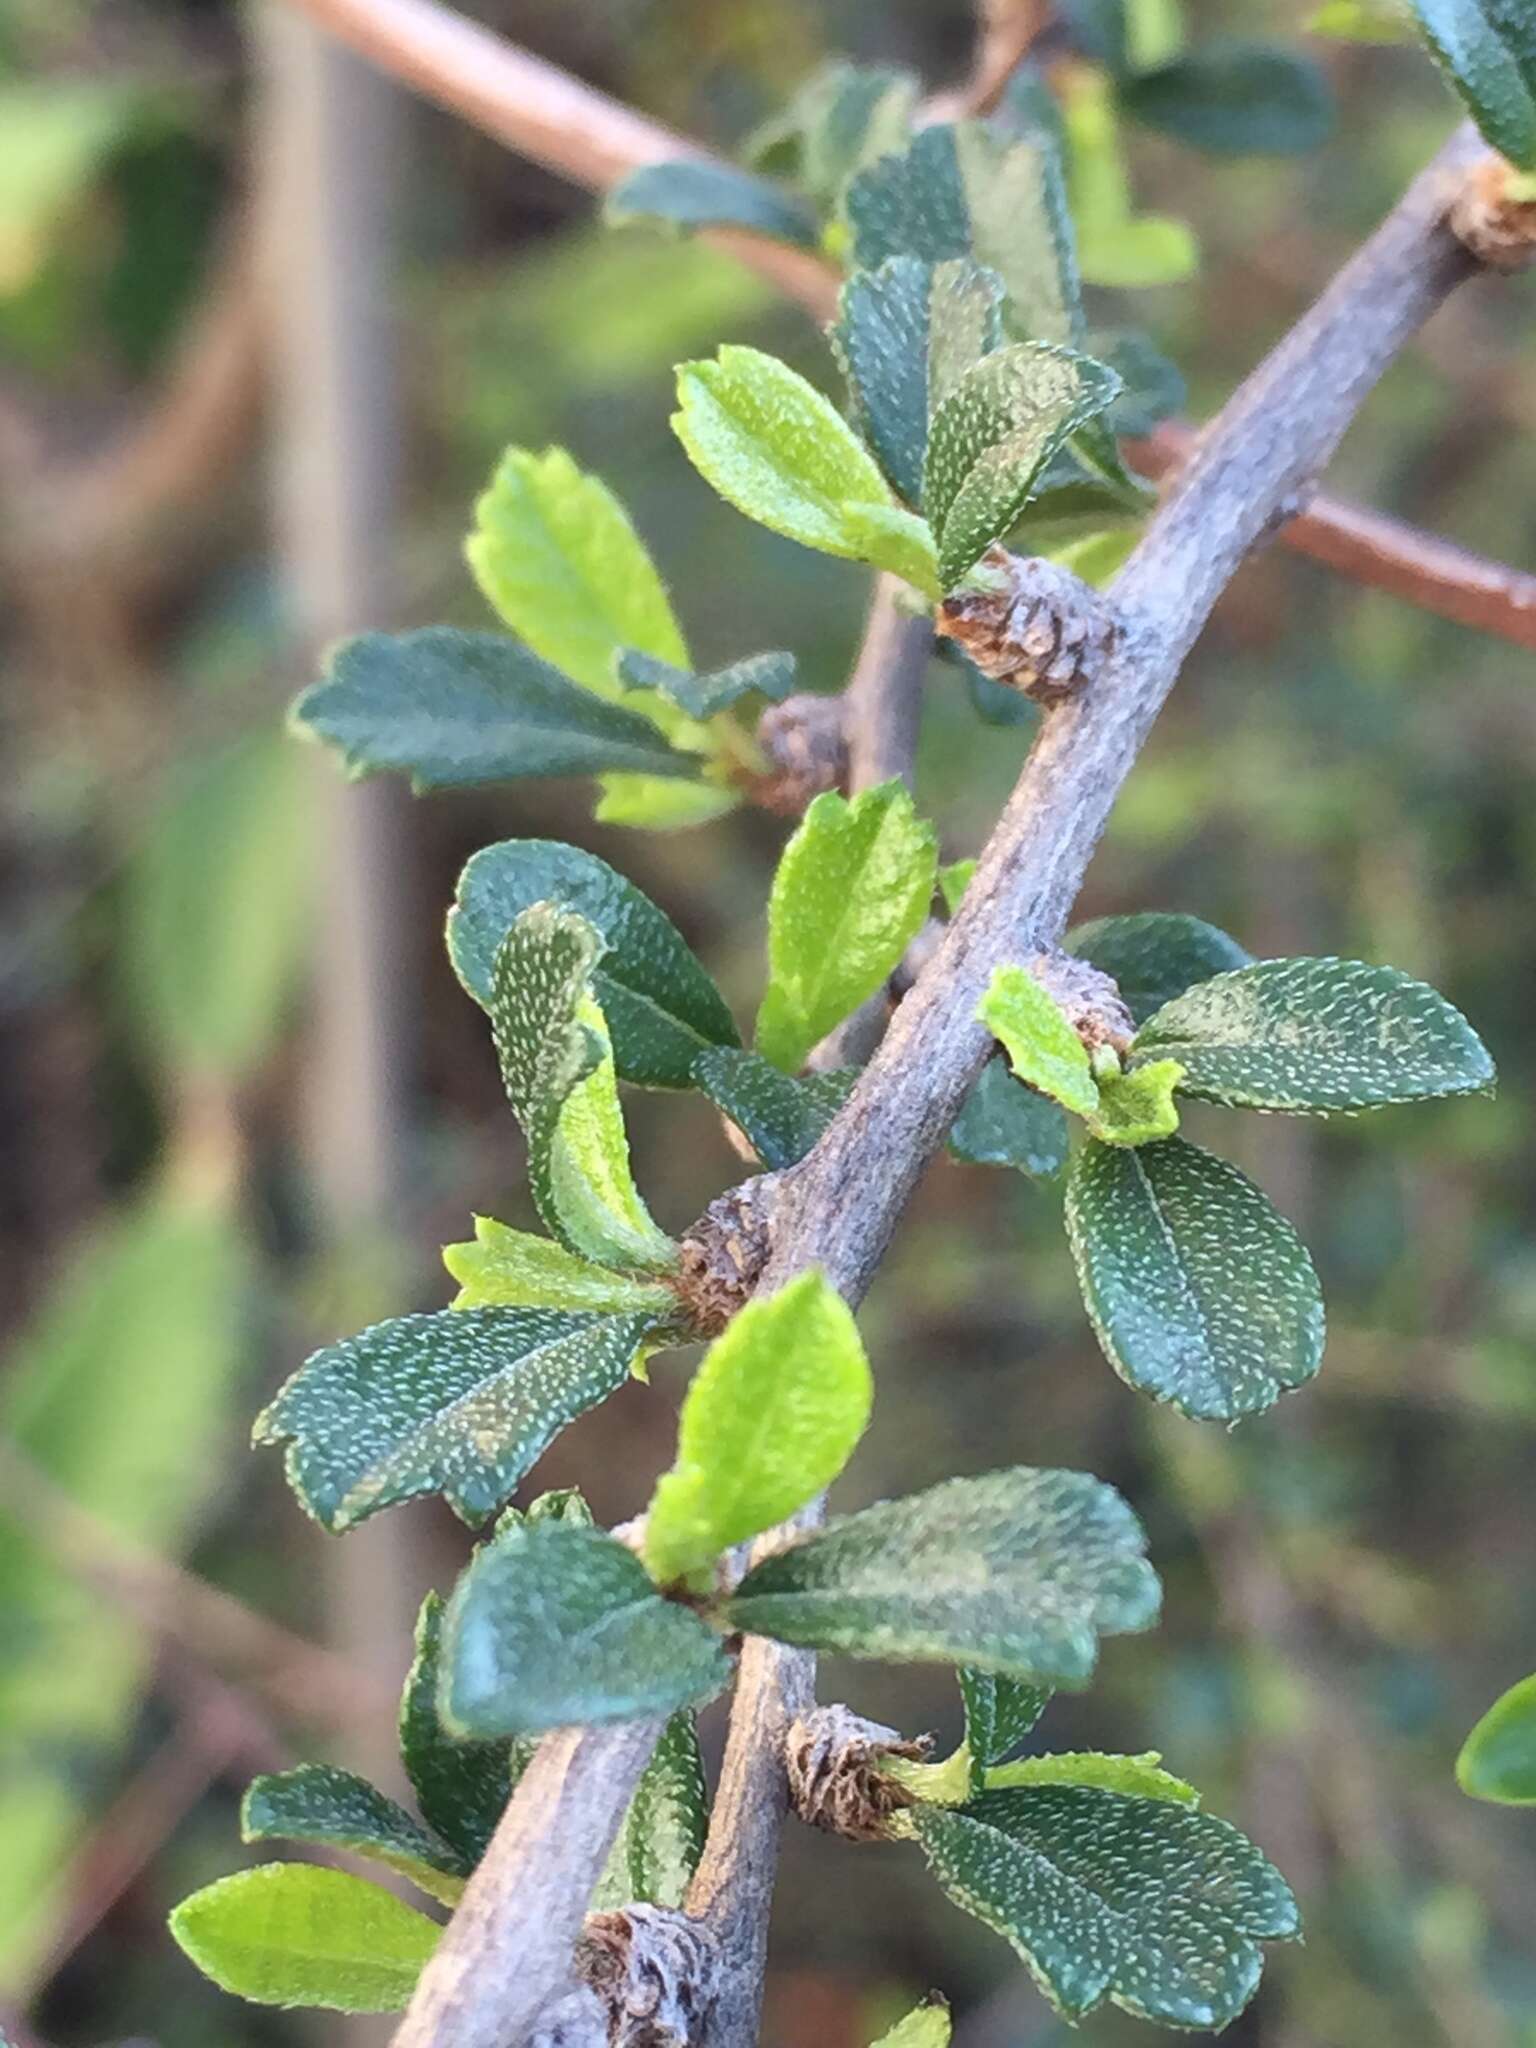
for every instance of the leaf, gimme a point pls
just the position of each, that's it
(461, 1403)
(554, 1625)
(1200, 1293)
(1017, 1572)
(510, 1269)
(844, 116)
(454, 709)
(461, 1787)
(1115, 246)
(1487, 49)
(660, 1007)
(294, 1934)
(652, 803)
(1003, 1123)
(1235, 98)
(999, 1713)
(691, 194)
(926, 2026)
(1156, 1907)
(770, 1419)
(1498, 1759)
(954, 879)
(557, 1064)
(905, 335)
(1365, 21)
(1155, 955)
(559, 561)
(1042, 1047)
(1316, 1036)
(992, 436)
(662, 1836)
(1137, 1777)
(958, 190)
(334, 1809)
(852, 889)
(1138, 1108)
(702, 696)
(1152, 388)
(781, 1116)
(780, 452)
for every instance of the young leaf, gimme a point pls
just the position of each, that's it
(693, 194)
(770, 1419)
(781, 1116)
(557, 558)
(1155, 955)
(1017, 1572)
(954, 879)
(461, 1403)
(1487, 49)
(1004, 1123)
(1200, 1293)
(554, 1624)
(1137, 1777)
(662, 1836)
(510, 1269)
(295, 1934)
(992, 437)
(660, 1007)
(651, 803)
(999, 1713)
(1116, 247)
(1498, 1759)
(703, 696)
(1043, 1049)
(926, 2026)
(1138, 1108)
(556, 1061)
(333, 1809)
(1158, 1908)
(1235, 98)
(454, 709)
(852, 888)
(461, 1787)
(773, 447)
(1316, 1036)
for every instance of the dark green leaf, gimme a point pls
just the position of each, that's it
(1199, 1291)
(1488, 50)
(333, 1809)
(781, 1116)
(844, 116)
(1235, 99)
(660, 1007)
(1017, 1572)
(1498, 1759)
(702, 696)
(1004, 1123)
(461, 1787)
(554, 1624)
(1152, 388)
(1155, 955)
(1157, 1907)
(460, 1403)
(999, 1713)
(662, 1837)
(1316, 1036)
(693, 194)
(453, 709)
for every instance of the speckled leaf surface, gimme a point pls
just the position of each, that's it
(1487, 49)
(461, 1787)
(851, 890)
(1043, 1049)
(1004, 1123)
(999, 1713)
(1316, 1036)
(557, 1064)
(693, 194)
(334, 1809)
(770, 1418)
(662, 1836)
(1158, 1908)
(1199, 1291)
(1138, 1108)
(506, 1268)
(553, 1625)
(453, 709)
(1498, 1759)
(992, 437)
(461, 1403)
(293, 1934)
(1155, 955)
(781, 1115)
(661, 1008)
(1017, 1572)
(703, 696)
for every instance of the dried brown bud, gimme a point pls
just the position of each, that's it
(1089, 998)
(1029, 624)
(806, 742)
(832, 1758)
(654, 1971)
(722, 1257)
(1494, 214)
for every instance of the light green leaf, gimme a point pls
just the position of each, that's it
(781, 1116)
(1199, 1291)
(1115, 247)
(1487, 48)
(1138, 1108)
(1138, 1777)
(653, 803)
(506, 1268)
(1155, 955)
(662, 1836)
(461, 1403)
(770, 1419)
(1315, 1037)
(334, 1809)
(60, 131)
(554, 1625)
(954, 880)
(1042, 1047)
(558, 1068)
(1498, 1759)
(461, 1787)
(697, 194)
(851, 891)
(1363, 21)
(1003, 1123)
(926, 2026)
(1017, 1572)
(294, 1934)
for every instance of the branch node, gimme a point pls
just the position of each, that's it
(1494, 214)
(1089, 998)
(832, 1757)
(655, 1972)
(724, 1254)
(806, 741)
(1030, 624)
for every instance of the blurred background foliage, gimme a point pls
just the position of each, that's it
(1348, 1578)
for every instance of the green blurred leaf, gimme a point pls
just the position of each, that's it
(844, 116)
(59, 133)
(295, 1934)
(461, 1787)
(1200, 1293)
(1116, 247)
(771, 1417)
(703, 696)
(1235, 98)
(926, 2026)
(1137, 1777)
(652, 803)
(954, 880)
(1138, 1108)
(1042, 1047)
(1487, 48)
(1498, 1759)
(1155, 955)
(662, 1836)
(781, 1115)
(553, 1625)
(334, 1809)
(1016, 1572)
(507, 1268)
(694, 194)
(851, 891)
(1003, 1123)
(1363, 21)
